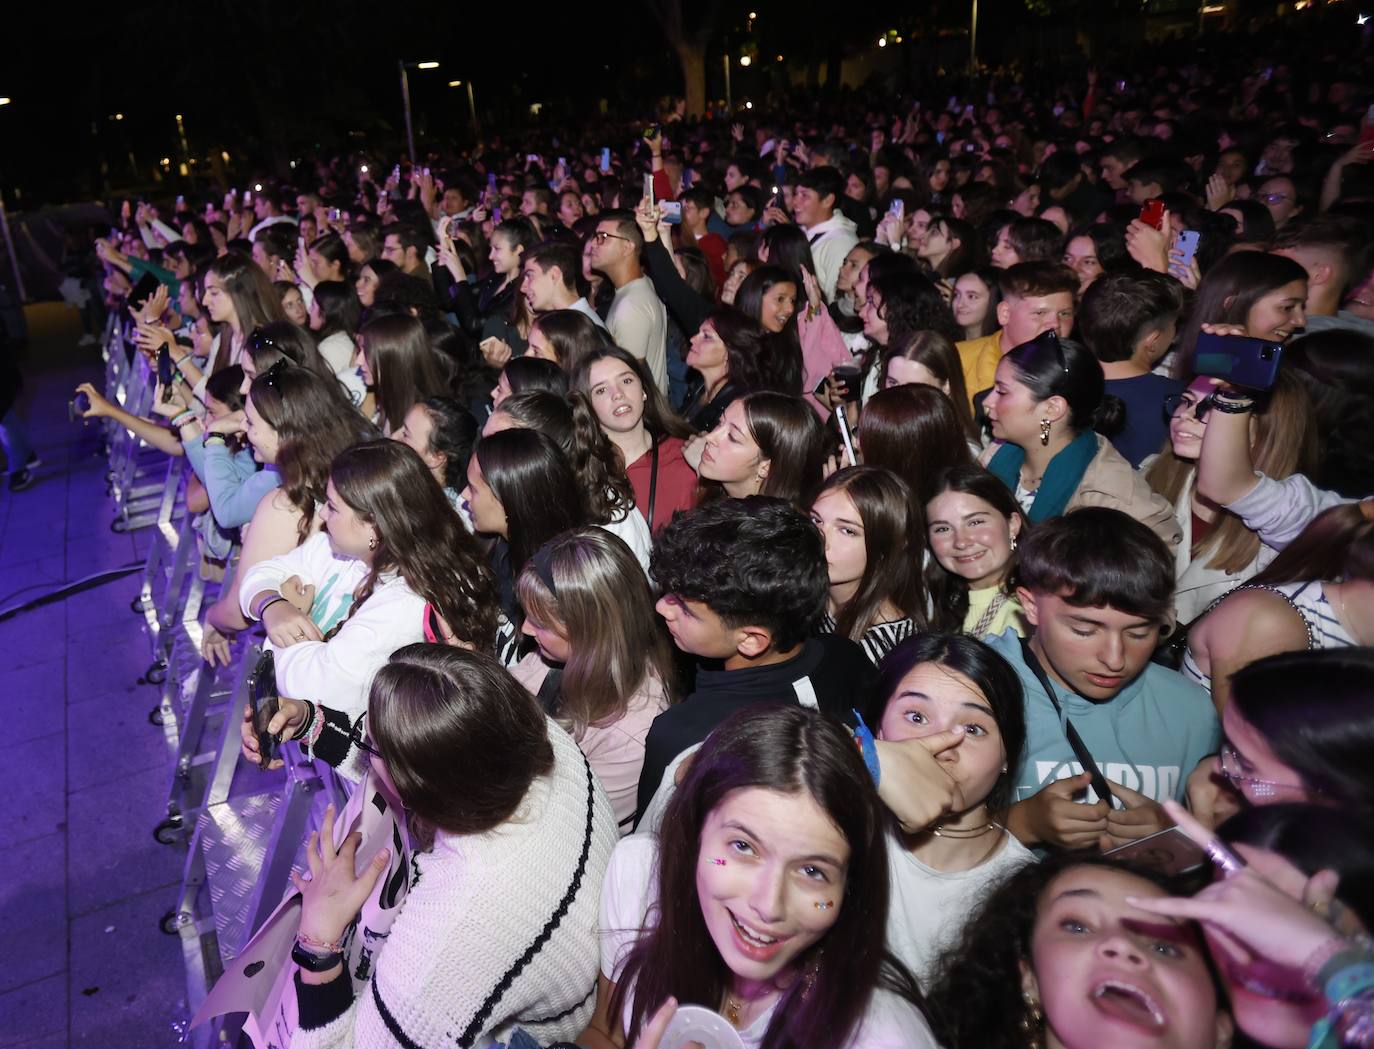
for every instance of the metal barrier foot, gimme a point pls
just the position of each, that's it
(170, 831)
(137, 606)
(156, 674)
(174, 921)
(157, 716)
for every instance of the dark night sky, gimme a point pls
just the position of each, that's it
(245, 71)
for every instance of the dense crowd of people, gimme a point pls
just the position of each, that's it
(804, 567)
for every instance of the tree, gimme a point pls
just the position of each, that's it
(689, 44)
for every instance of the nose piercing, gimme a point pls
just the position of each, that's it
(718, 862)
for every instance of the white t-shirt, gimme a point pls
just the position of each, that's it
(626, 895)
(929, 909)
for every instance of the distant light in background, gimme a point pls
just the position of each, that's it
(4, 101)
(119, 116)
(1359, 20)
(427, 65)
(882, 41)
(455, 83)
(257, 187)
(779, 58)
(745, 60)
(748, 105)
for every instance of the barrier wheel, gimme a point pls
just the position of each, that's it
(136, 605)
(171, 922)
(119, 526)
(156, 717)
(156, 674)
(169, 831)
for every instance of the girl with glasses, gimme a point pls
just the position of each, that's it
(1219, 551)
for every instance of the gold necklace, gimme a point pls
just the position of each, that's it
(964, 832)
(732, 1011)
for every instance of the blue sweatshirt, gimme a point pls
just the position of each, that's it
(1148, 737)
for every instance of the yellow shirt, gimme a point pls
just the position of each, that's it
(979, 358)
(1009, 615)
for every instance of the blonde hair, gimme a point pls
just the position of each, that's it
(1284, 443)
(602, 604)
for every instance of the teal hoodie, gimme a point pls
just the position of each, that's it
(1148, 737)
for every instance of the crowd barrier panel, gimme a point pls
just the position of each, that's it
(134, 479)
(172, 558)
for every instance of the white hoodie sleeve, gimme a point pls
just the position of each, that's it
(338, 672)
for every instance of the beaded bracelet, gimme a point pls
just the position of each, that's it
(322, 946)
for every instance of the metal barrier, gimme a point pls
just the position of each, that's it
(244, 829)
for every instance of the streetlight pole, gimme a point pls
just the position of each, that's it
(973, 41)
(405, 99)
(472, 108)
(729, 101)
(405, 102)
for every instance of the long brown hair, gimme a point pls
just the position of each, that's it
(659, 417)
(1336, 544)
(915, 432)
(796, 752)
(255, 300)
(1285, 443)
(461, 740)
(937, 354)
(314, 423)
(602, 603)
(893, 547)
(790, 437)
(404, 367)
(419, 536)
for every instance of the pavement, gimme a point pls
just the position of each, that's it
(82, 882)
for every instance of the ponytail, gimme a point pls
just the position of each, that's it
(1110, 415)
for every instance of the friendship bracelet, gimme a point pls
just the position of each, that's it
(1232, 407)
(325, 946)
(308, 722)
(265, 606)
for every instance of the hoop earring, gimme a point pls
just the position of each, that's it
(372, 543)
(1044, 431)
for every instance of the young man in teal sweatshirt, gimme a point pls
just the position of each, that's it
(1097, 587)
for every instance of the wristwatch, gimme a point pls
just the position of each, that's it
(312, 962)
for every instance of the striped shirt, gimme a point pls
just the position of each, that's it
(879, 639)
(1309, 601)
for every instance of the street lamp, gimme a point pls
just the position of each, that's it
(472, 108)
(405, 98)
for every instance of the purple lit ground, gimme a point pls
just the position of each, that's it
(82, 883)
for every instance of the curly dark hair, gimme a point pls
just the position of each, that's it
(756, 561)
(976, 1000)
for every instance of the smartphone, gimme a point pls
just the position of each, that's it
(850, 377)
(672, 211)
(165, 372)
(262, 699)
(1239, 359)
(649, 189)
(453, 225)
(1186, 246)
(333, 214)
(563, 163)
(897, 209)
(247, 197)
(651, 132)
(1167, 851)
(842, 421)
(776, 198)
(605, 160)
(1152, 214)
(143, 290)
(78, 406)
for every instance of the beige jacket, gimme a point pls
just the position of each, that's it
(1112, 482)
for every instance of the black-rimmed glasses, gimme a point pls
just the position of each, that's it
(1176, 401)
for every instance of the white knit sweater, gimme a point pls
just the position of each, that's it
(477, 904)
